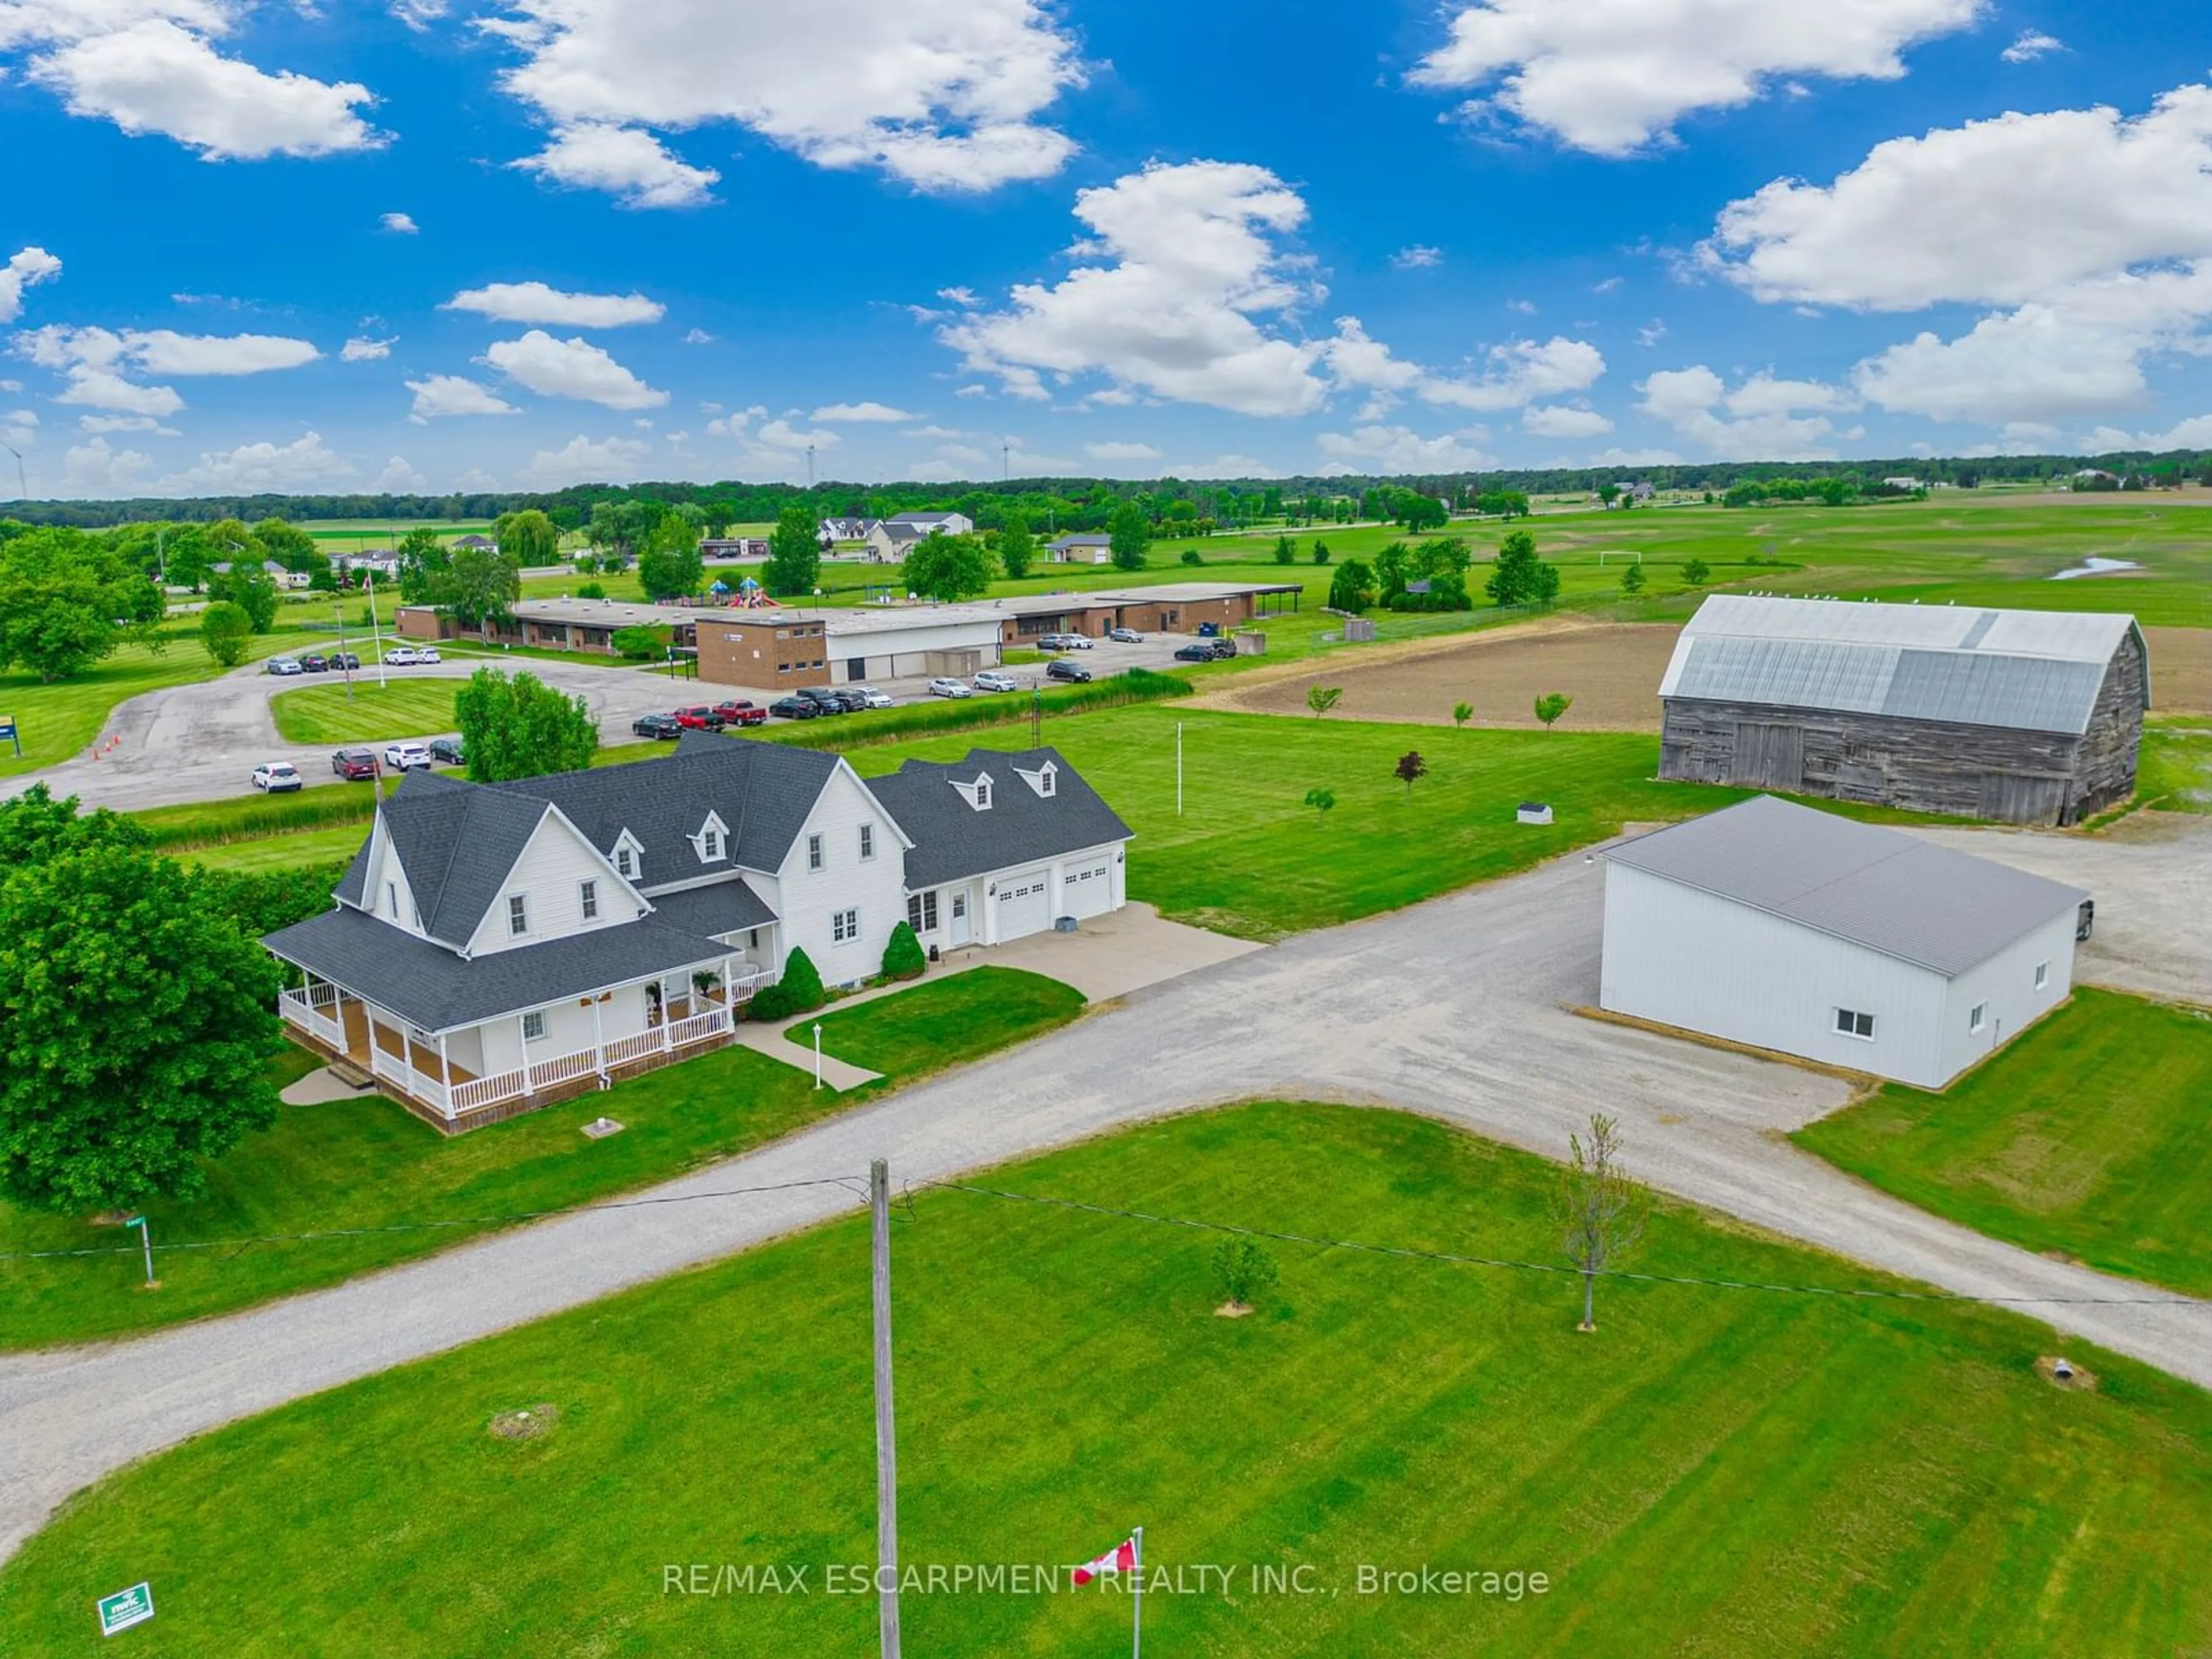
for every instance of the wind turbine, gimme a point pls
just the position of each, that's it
(23, 482)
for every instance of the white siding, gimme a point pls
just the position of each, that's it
(551, 873)
(806, 899)
(569, 1027)
(384, 876)
(2006, 983)
(1683, 957)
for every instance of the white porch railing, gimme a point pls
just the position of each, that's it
(423, 1086)
(546, 1074)
(490, 1090)
(697, 1029)
(305, 1010)
(623, 1050)
(745, 985)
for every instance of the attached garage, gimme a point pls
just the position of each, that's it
(1024, 904)
(1087, 888)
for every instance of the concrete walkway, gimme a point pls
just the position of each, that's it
(1457, 1009)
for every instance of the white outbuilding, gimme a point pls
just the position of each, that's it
(1786, 928)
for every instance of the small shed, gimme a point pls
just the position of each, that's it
(1782, 928)
(1533, 811)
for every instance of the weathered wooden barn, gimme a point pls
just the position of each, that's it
(2025, 716)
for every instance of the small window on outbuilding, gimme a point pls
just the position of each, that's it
(2042, 976)
(1850, 1023)
(1976, 1017)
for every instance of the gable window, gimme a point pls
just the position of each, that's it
(814, 852)
(625, 862)
(2042, 975)
(921, 912)
(518, 915)
(392, 896)
(844, 927)
(533, 1026)
(1047, 781)
(590, 894)
(867, 840)
(711, 842)
(1851, 1024)
(982, 794)
(1977, 1017)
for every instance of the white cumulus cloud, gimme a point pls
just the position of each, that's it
(1763, 418)
(401, 224)
(626, 163)
(571, 368)
(98, 469)
(2030, 44)
(1396, 449)
(1563, 421)
(862, 411)
(437, 395)
(1610, 77)
(28, 269)
(538, 302)
(1418, 257)
(306, 463)
(360, 349)
(589, 460)
(96, 363)
(1123, 451)
(399, 478)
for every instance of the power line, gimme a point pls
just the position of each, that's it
(857, 1185)
(1411, 1253)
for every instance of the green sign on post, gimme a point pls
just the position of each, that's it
(125, 1608)
(8, 731)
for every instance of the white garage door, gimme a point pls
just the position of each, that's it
(1022, 905)
(1088, 890)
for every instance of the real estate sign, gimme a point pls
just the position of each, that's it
(125, 1608)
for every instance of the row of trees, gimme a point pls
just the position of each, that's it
(67, 601)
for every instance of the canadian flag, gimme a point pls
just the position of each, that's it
(1122, 1558)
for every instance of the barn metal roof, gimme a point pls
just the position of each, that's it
(2036, 670)
(1891, 892)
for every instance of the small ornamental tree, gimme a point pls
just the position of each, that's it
(902, 957)
(1550, 706)
(1017, 548)
(1631, 580)
(1129, 537)
(1321, 553)
(1410, 768)
(1696, 573)
(801, 984)
(1353, 587)
(1243, 1272)
(794, 557)
(1190, 557)
(1320, 800)
(1287, 550)
(224, 629)
(1518, 577)
(1600, 1210)
(1323, 698)
(1462, 713)
(638, 644)
(135, 1023)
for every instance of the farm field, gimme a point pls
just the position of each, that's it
(2086, 1137)
(369, 714)
(1722, 1472)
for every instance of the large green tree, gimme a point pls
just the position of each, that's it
(618, 529)
(224, 629)
(518, 726)
(423, 561)
(1017, 547)
(289, 546)
(67, 600)
(949, 567)
(34, 828)
(477, 587)
(249, 588)
(1519, 577)
(794, 557)
(528, 538)
(670, 567)
(136, 1024)
(1129, 537)
(1353, 587)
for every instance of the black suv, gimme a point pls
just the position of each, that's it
(851, 702)
(447, 750)
(656, 725)
(793, 708)
(1196, 651)
(312, 663)
(343, 661)
(1060, 669)
(825, 702)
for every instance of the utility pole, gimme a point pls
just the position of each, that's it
(339, 608)
(1178, 768)
(887, 1616)
(809, 467)
(375, 638)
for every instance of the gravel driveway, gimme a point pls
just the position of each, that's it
(1453, 1008)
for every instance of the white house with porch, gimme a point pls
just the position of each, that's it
(496, 947)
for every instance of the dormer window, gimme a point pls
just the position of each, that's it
(625, 862)
(982, 794)
(1044, 781)
(713, 839)
(711, 843)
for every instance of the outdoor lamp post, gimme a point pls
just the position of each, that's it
(817, 1054)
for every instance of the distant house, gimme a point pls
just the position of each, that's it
(843, 529)
(381, 563)
(733, 547)
(952, 524)
(891, 540)
(1904, 483)
(476, 544)
(1081, 549)
(291, 579)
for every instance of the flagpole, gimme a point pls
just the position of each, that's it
(1137, 1601)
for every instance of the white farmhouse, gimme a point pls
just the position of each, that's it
(1786, 928)
(495, 947)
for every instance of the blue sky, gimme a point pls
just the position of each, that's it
(296, 245)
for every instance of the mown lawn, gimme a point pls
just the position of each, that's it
(366, 1162)
(2174, 772)
(943, 1022)
(1716, 1472)
(369, 714)
(2089, 1136)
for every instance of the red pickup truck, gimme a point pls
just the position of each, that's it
(698, 717)
(741, 713)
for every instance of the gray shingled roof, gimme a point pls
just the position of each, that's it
(953, 840)
(429, 987)
(457, 842)
(723, 908)
(2036, 670)
(1891, 892)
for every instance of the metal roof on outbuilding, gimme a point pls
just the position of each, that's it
(2038, 670)
(1891, 892)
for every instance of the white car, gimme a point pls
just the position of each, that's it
(402, 656)
(407, 756)
(873, 698)
(285, 665)
(277, 777)
(946, 688)
(991, 680)
(1076, 641)
(429, 653)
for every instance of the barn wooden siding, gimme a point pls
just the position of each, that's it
(1924, 766)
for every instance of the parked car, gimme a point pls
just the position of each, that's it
(1224, 648)
(992, 680)
(824, 702)
(874, 699)
(951, 688)
(1079, 642)
(402, 656)
(854, 700)
(284, 665)
(277, 777)
(407, 756)
(344, 662)
(697, 718)
(1055, 642)
(1196, 651)
(793, 708)
(1125, 636)
(447, 750)
(656, 725)
(429, 653)
(315, 663)
(354, 764)
(1060, 669)
(739, 712)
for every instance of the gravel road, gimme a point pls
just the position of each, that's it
(1457, 1008)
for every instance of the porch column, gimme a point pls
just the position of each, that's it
(599, 1039)
(522, 1032)
(445, 1076)
(729, 993)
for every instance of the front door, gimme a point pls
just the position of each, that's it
(959, 933)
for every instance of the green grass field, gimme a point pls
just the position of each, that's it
(289, 851)
(1718, 1472)
(2175, 772)
(2087, 1137)
(369, 713)
(944, 1022)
